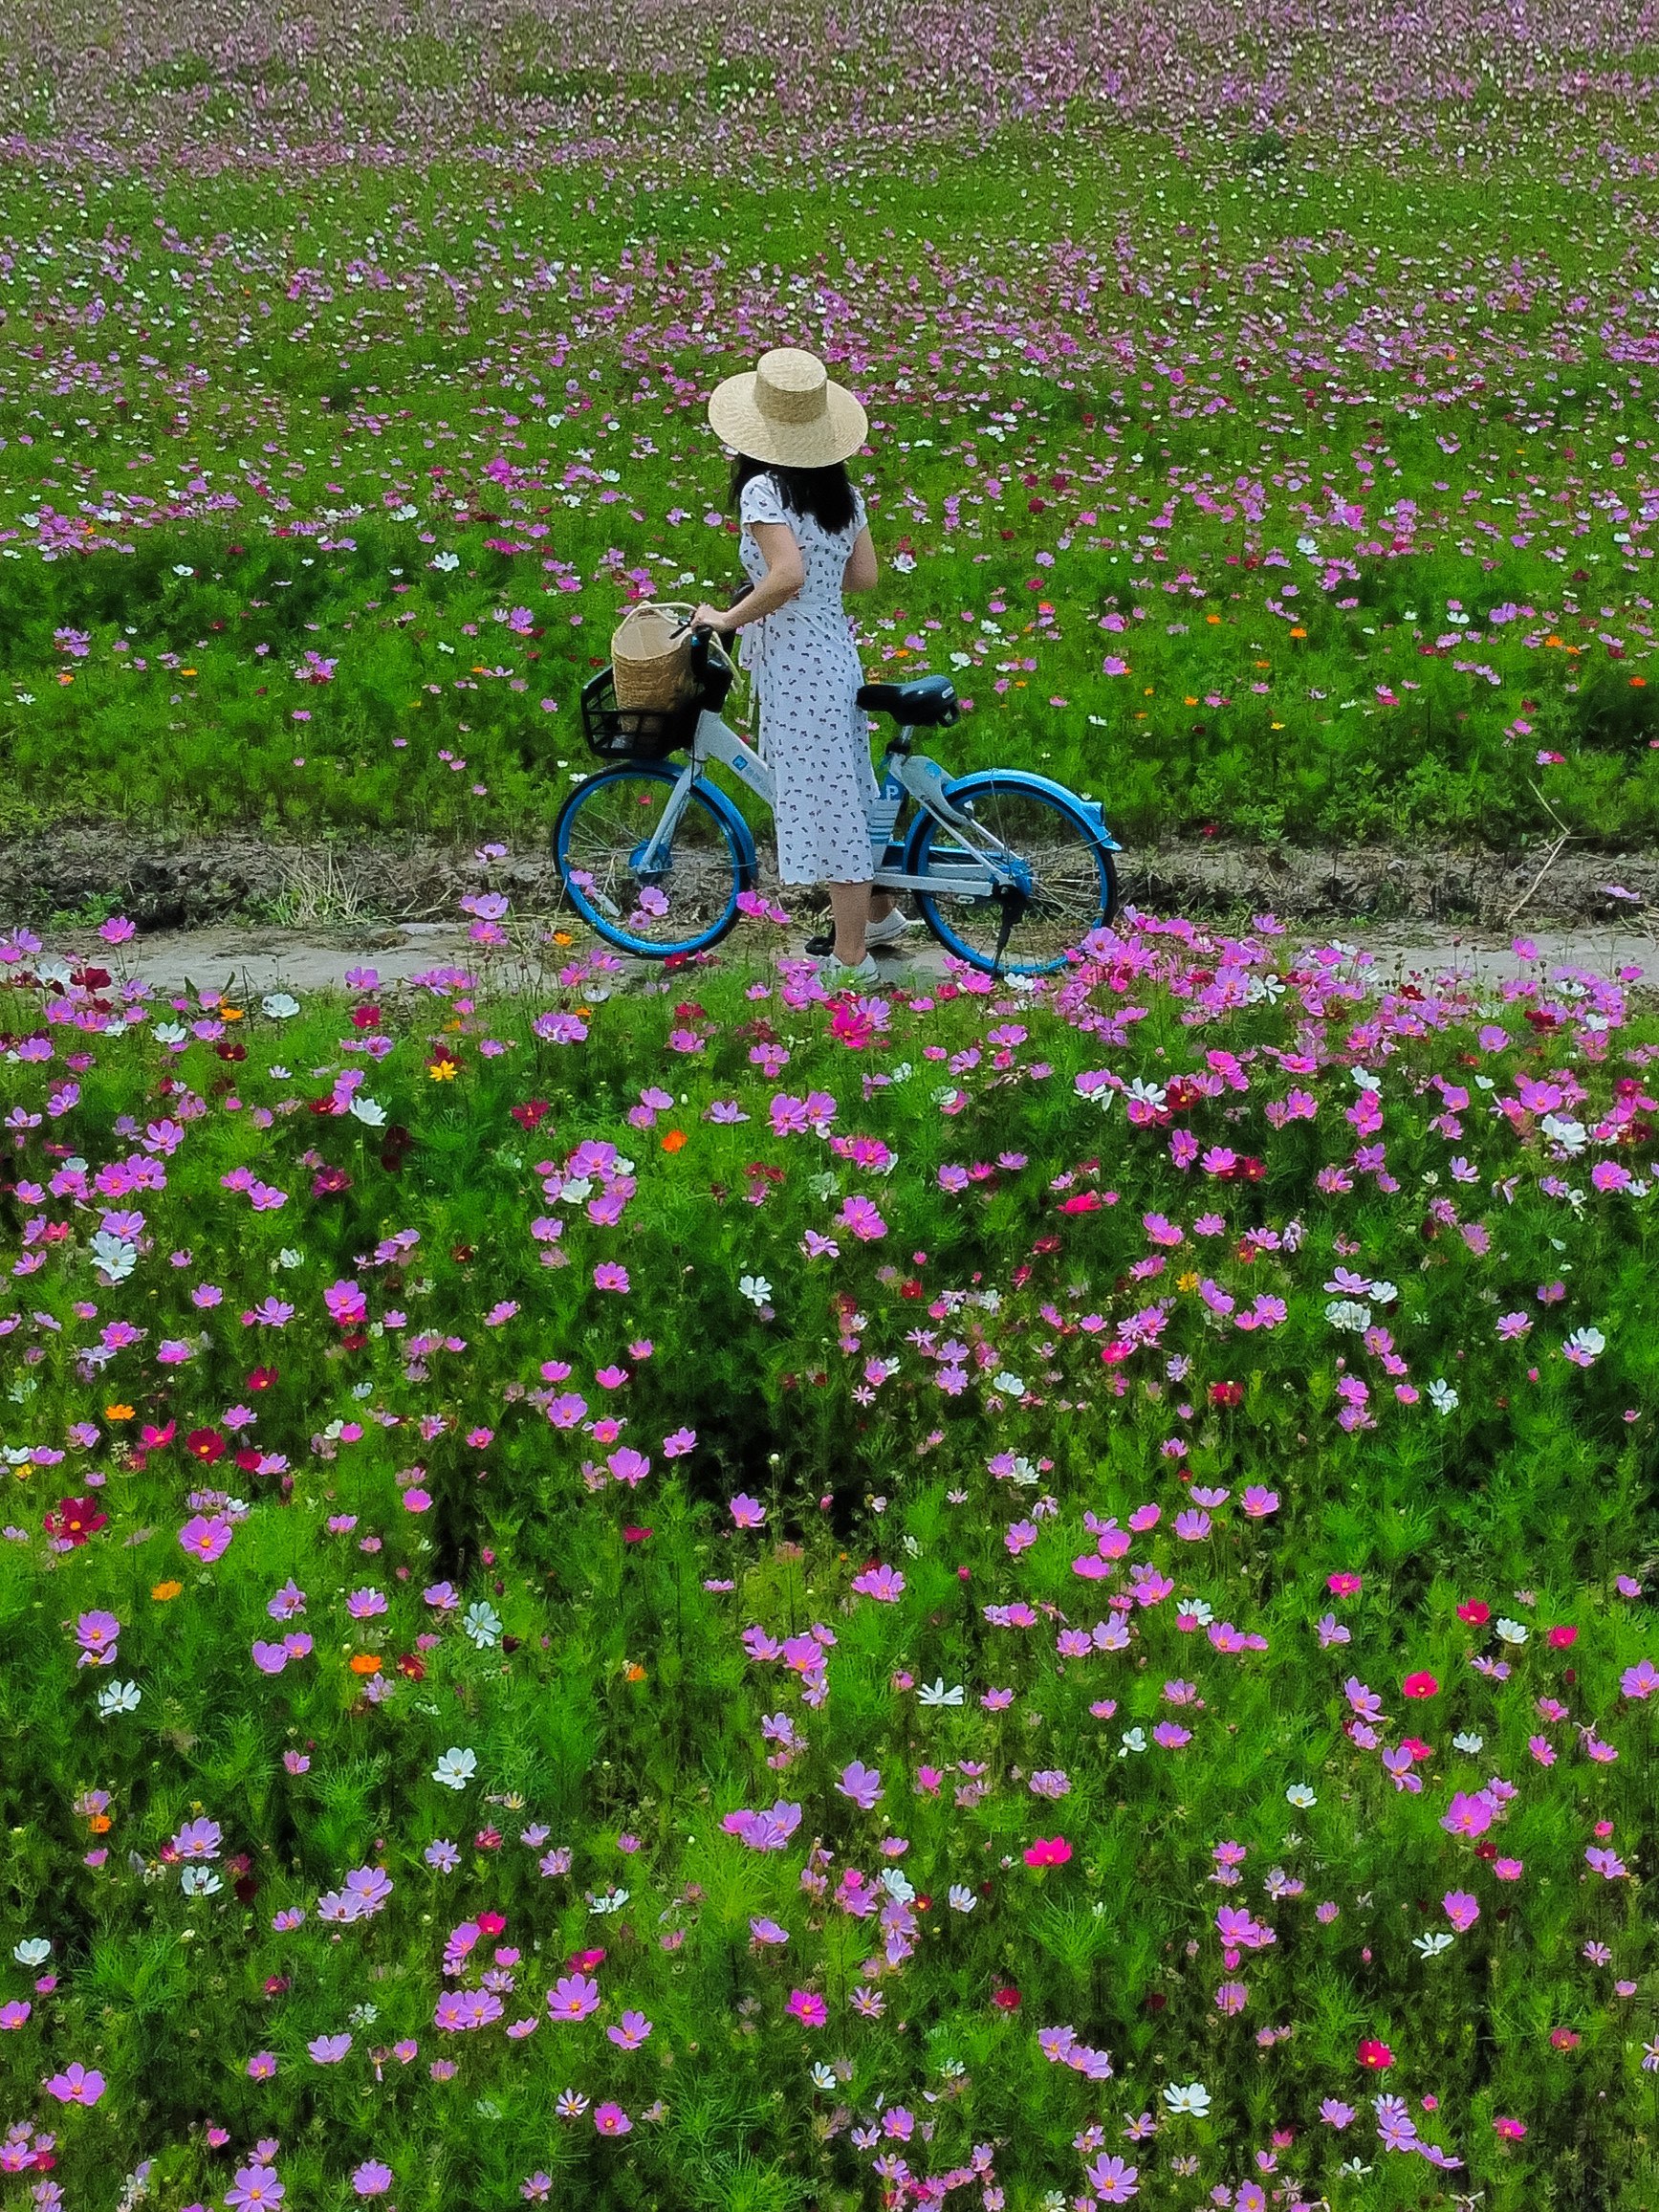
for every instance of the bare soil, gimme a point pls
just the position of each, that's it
(189, 883)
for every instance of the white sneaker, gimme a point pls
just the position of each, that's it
(838, 976)
(889, 928)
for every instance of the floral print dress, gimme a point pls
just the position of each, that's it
(806, 672)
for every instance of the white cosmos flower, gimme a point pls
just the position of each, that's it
(482, 1624)
(456, 1767)
(1187, 2098)
(823, 2077)
(612, 1901)
(755, 1288)
(1349, 1314)
(934, 1693)
(280, 1006)
(1300, 1795)
(1134, 1739)
(1468, 1743)
(444, 562)
(960, 1898)
(33, 1951)
(200, 1882)
(1511, 1631)
(118, 1698)
(1432, 1945)
(1442, 1396)
(169, 1033)
(369, 1111)
(111, 1256)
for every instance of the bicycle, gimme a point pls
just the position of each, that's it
(656, 858)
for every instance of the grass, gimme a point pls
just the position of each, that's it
(1270, 440)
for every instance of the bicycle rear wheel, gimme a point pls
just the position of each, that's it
(682, 903)
(1065, 881)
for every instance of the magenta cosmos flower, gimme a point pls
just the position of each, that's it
(76, 2085)
(884, 1583)
(572, 1996)
(809, 2008)
(206, 1537)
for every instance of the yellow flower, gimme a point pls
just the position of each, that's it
(1187, 1282)
(164, 1593)
(442, 1071)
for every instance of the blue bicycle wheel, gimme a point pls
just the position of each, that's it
(1057, 852)
(686, 899)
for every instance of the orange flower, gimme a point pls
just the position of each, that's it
(365, 1663)
(674, 1141)
(1639, 682)
(117, 1412)
(563, 937)
(100, 1823)
(164, 1593)
(1299, 632)
(635, 1672)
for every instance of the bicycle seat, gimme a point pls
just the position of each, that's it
(927, 703)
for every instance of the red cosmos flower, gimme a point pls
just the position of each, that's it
(206, 1445)
(492, 1923)
(364, 1017)
(1564, 2039)
(632, 1535)
(911, 1289)
(528, 1115)
(1474, 1613)
(1085, 1202)
(413, 1667)
(1420, 1686)
(1227, 1393)
(1048, 1852)
(73, 1520)
(1561, 1639)
(1006, 1999)
(1375, 2055)
(262, 1378)
(583, 1962)
(153, 1439)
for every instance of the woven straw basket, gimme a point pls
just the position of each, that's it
(651, 655)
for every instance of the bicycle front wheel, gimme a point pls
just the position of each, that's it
(680, 900)
(1065, 882)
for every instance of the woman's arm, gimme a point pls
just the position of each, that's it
(784, 577)
(861, 569)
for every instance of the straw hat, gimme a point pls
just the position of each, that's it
(786, 410)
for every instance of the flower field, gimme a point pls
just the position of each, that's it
(1263, 439)
(666, 1592)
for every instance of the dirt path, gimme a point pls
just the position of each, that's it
(248, 961)
(198, 883)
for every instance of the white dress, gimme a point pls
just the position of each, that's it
(805, 667)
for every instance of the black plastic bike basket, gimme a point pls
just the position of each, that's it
(633, 732)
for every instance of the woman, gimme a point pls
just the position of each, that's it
(804, 542)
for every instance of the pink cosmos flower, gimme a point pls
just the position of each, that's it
(572, 1996)
(862, 1783)
(884, 1583)
(806, 2007)
(630, 2031)
(76, 2085)
(610, 2119)
(1048, 1852)
(1461, 1909)
(747, 1512)
(372, 2179)
(206, 1537)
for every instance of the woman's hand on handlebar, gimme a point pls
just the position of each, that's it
(712, 618)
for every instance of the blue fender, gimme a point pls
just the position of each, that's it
(965, 786)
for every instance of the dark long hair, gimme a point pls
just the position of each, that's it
(824, 495)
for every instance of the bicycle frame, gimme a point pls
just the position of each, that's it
(903, 775)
